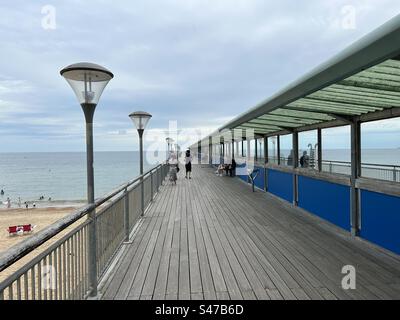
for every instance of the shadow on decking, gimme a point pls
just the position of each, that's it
(212, 238)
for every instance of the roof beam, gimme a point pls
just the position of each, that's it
(346, 119)
(323, 110)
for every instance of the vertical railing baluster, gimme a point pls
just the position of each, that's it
(68, 279)
(40, 280)
(33, 280)
(76, 265)
(78, 258)
(19, 288)
(11, 292)
(26, 287)
(64, 272)
(59, 272)
(51, 267)
(45, 275)
(55, 257)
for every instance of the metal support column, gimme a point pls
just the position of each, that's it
(126, 214)
(295, 145)
(278, 147)
(355, 173)
(199, 152)
(151, 186)
(319, 133)
(266, 161)
(255, 150)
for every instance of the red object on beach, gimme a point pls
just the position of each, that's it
(13, 230)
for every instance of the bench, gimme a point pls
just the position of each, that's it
(21, 229)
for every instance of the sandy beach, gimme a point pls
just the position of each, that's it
(40, 217)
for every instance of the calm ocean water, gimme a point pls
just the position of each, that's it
(62, 176)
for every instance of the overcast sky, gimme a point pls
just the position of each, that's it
(199, 63)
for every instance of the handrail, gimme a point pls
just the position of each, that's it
(364, 163)
(21, 249)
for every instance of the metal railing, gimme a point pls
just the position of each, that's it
(368, 170)
(60, 271)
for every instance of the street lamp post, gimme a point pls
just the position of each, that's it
(140, 119)
(88, 81)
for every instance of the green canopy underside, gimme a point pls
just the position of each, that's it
(374, 89)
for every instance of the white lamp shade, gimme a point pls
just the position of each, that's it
(88, 81)
(140, 119)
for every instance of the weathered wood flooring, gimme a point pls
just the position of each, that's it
(212, 238)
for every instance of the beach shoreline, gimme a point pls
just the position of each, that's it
(40, 204)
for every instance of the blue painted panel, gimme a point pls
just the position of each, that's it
(380, 219)
(280, 184)
(259, 182)
(330, 201)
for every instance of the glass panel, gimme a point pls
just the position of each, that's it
(380, 149)
(244, 149)
(286, 152)
(260, 150)
(336, 150)
(308, 149)
(273, 150)
(252, 151)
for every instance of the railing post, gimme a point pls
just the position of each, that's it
(394, 174)
(151, 186)
(142, 196)
(355, 173)
(158, 178)
(330, 166)
(319, 137)
(126, 213)
(295, 145)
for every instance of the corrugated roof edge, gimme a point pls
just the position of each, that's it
(379, 45)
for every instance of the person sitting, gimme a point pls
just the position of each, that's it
(220, 170)
(305, 160)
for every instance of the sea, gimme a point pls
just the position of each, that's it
(61, 176)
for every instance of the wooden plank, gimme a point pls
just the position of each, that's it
(184, 278)
(197, 296)
(194, 266)
(223, 296)
(162, 276)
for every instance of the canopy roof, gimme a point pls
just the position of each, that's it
(363, 79)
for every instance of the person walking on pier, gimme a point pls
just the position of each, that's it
(188, 164)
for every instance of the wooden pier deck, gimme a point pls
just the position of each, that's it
(212, 238)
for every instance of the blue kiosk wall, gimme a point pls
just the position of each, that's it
(330, 201)
(380, 219)
(280, 184)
